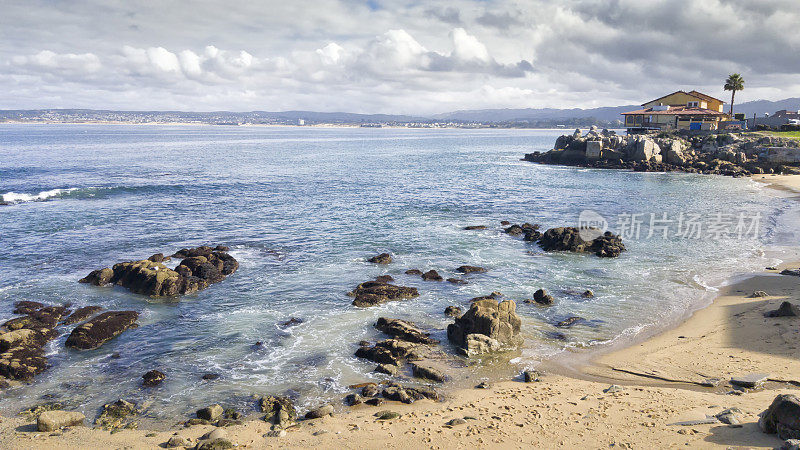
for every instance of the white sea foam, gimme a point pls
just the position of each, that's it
(14, 197)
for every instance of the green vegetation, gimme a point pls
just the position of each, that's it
(734, 83)
(788, 134)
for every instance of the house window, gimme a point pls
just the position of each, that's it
(692, 104)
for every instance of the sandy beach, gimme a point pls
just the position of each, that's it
(659, 382)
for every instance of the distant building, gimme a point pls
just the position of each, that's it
(677, 111)
(301, 122)
(776, 120)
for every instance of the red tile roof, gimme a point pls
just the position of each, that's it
(677, 111)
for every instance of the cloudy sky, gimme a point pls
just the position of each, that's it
(389, 56)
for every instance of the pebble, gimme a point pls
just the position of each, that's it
(276, 433)
(455, 422)
(613, 389)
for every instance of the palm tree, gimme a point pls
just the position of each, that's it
(734, 83)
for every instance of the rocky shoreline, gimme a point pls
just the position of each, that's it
(730, 154)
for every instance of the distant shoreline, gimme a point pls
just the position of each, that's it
(269, 125)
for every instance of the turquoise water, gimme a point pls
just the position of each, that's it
(301, 209)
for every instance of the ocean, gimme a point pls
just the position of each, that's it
(302, 208)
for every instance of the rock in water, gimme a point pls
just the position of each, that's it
(782, 417)
(486, 327)
(82, 314)
(785, 310)
(470, 269)
(101, 329)
(428, 373)
(569, 239)
(55, 420)
(201, 267)
(404, 330)
(453, 311)
(389, 351)
(432, 275)
(27, 307)
(543, 298)
(153, 378)
(383, 258)
(574, 320)
(373, 293)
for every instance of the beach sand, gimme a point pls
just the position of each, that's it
(658, 380)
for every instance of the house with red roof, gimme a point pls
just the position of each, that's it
(679, 110)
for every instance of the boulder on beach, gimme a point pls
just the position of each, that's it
(101, 329)
(279, 411)
(318, 413)
(571, 239)
(115, 415)
(404, 330)
(782, 417)
(427, 372)
(56, 420)
(200, 267)
(373, 293)
(785, 310)
(486, 318)
(383, 258)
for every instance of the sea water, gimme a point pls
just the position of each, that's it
(301, 209)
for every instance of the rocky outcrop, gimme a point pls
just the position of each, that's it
(389, 351)
(153, 378)
(785, 310)
(81, 314)
(470, 269)
(543, 298)
(201, 267)
(487, 326)
(570, 239)
(279, 411)
(404, 330)
(101, 329)
(782, 417)
(732, 154)
(453, 311)
(383, 258)
(432, 275)
(373, 293)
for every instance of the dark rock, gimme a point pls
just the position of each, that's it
(505, 223)
(291, 322)
(27, 307)
(530, 376)
(457, 281)
(100, 277)
(404, 330)
(470, 269)
(792, 272)
(483, 385)
(384, 279)
(569, 239)
(101, 329)
(374, 401)
(320, 412)
(453, 311)
(475, 227)
(153, 378)
(210, 413)
(388, 369)
(222, 248)
(22, 362)
(82, 314)
(370, 390)
(432, 275)
(587, 294)
(782, 417)
(532, 235)
(364, 344)
(543, 298)
(383, 258)
(353, 399)
(456, 422)
(158, 257)
(514, 230)
(428, 373)
(574, 320)
(210, 376)
(413, 272)
(389, 351)
(114, 415)
(486, 326)
(387, 415)
(200, 268)
(785, 310)
(279, 411)
(373, 293)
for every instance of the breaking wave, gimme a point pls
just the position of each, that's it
(14, 197)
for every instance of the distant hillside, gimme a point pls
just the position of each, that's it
(765, 106)
(606, 114)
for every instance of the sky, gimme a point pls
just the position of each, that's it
(390, 56)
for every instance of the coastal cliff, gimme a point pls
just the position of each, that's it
(732, 154)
